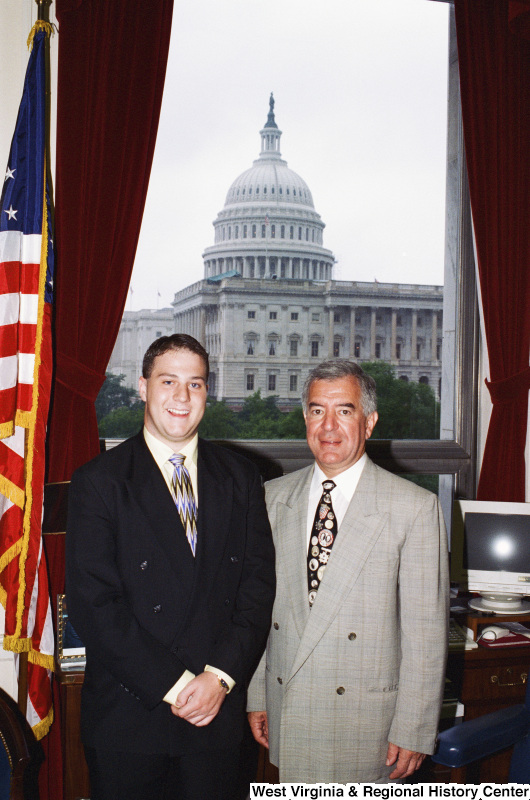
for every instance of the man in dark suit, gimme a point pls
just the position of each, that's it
(170, 584)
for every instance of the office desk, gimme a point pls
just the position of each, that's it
(487, 679)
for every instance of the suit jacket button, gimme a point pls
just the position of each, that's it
(276, 626)
(157, 609)
(234, 559)
(352, 636)
(227, 601)
(143, 565)
(280, 681)
(341, 690)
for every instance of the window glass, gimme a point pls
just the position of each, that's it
(376, 150)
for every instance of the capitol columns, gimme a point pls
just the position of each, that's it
(393, 338)
(373, 328)
(434, 336)
(331, 330)
(352, 332)
(202, 325)
(414, 338)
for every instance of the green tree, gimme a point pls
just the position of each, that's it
(259, 418)
(407, 410)
(122, 422)
(113, 395)
(219, 421)
(292, 425)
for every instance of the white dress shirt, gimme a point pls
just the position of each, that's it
(345, 486)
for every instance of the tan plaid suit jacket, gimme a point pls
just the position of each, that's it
(366, 665)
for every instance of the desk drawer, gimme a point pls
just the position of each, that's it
(503, 681)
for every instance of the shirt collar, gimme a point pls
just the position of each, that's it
(345, 481)
(161, 451)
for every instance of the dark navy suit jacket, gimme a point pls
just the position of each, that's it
(146, 609)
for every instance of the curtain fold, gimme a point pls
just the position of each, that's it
(494, 67)
(112, 64)
(519, 17)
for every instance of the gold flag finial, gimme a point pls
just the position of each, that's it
(40, 25)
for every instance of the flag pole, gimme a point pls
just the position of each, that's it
(44, 9)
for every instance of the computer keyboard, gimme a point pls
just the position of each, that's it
(458, 640)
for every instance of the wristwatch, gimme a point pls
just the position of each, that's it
(222, 682)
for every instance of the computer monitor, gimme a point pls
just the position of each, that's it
(490, 554)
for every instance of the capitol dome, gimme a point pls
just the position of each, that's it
(269, 180)
(268, 227)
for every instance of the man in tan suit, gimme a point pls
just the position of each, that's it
(350, 686)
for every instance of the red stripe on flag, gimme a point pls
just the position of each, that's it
(19, 398)
(25, 396)
(39, 690)
(8, 340)
(27, 338)
(11, 575)
(18, 278)
(10, 528)
(29, 278)
(9, 277)
(13, 465)
(17, 339)
(8, 400)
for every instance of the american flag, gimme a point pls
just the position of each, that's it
(26, 278)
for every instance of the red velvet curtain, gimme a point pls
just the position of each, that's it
(494, 60)
(112, 64)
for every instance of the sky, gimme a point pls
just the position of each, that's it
(360, 90)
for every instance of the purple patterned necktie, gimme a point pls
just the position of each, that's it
(323, 535)
(185, 499)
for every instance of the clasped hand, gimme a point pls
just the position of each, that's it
(200, 700)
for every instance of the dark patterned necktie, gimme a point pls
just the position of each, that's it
(185, 499)
(323, 535)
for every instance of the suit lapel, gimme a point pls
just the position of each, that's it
(149, 490)
(215, 507)
(358, 534)
(292, 546)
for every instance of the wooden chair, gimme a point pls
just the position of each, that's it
(20, 754)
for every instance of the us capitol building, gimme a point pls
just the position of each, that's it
(268, 309)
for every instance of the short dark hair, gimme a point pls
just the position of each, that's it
(177, 341)
(341, 368)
